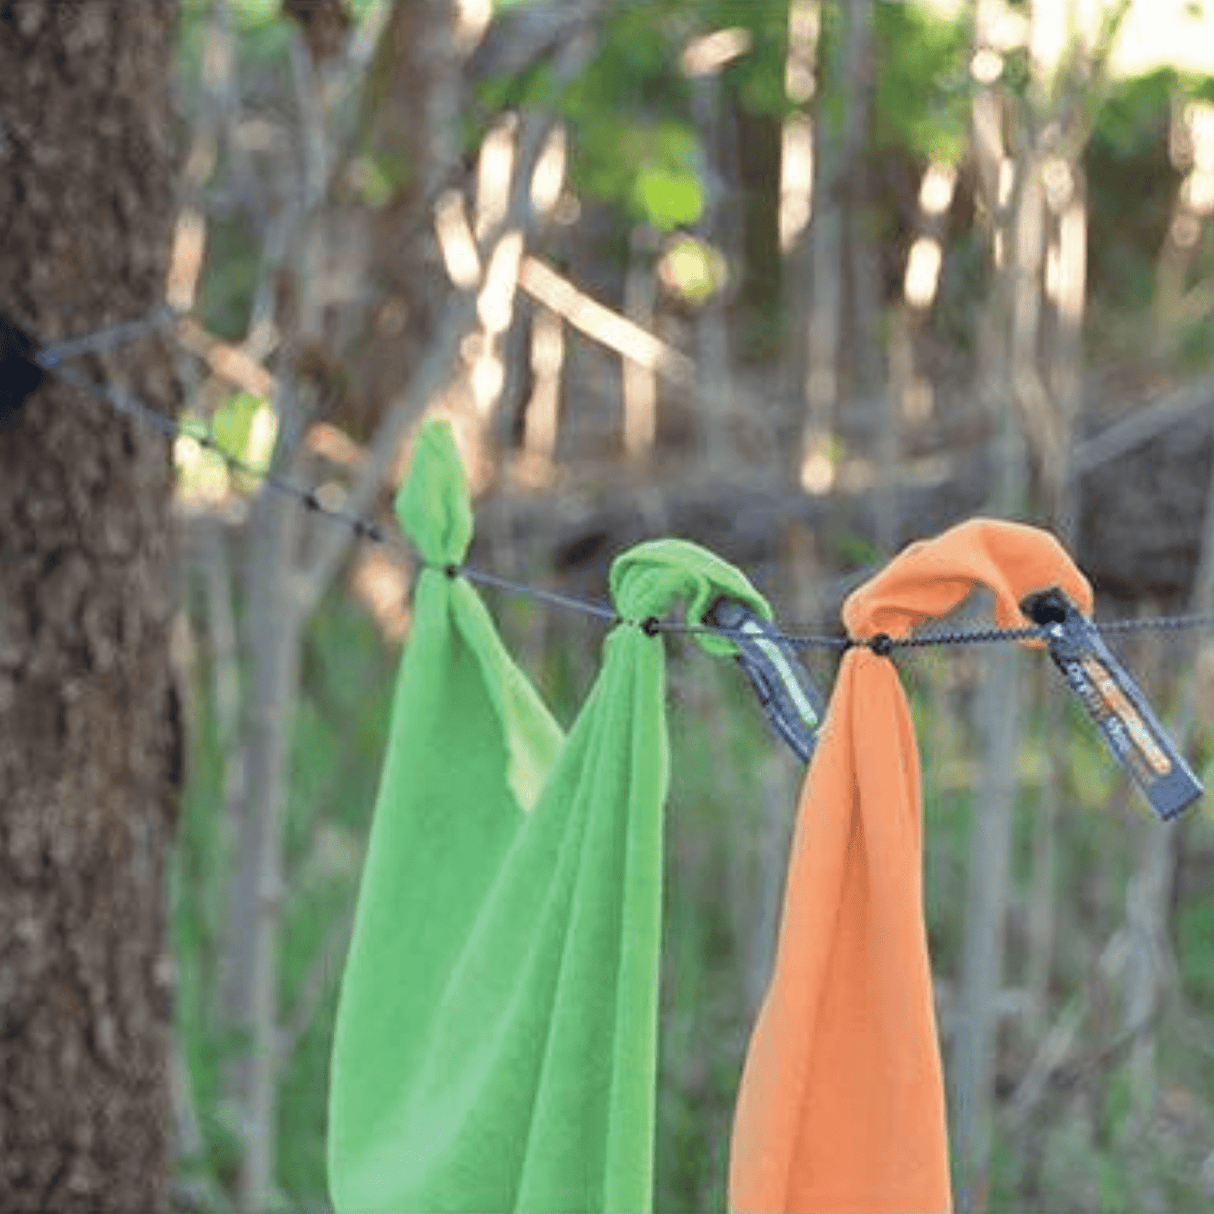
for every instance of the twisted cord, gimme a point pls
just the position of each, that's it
(979, 636)
(1169, 623)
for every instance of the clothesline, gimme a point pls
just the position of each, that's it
(52, 358)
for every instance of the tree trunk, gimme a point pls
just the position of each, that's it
(840, 244)
(713, 354)
(274, 627)
(862, 255)
(826, 295)
(971, 1071)
(90, 744)
(1060, 490)
(797, 197)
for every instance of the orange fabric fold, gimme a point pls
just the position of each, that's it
(841, 1105)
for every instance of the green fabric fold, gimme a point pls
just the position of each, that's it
(645, 580)
(496, 1037)
(433, 506)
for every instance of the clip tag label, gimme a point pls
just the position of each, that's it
(1115, 703)
(790, 699)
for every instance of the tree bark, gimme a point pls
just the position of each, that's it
(90, 740)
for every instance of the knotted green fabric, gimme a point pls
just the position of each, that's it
(495, 1046)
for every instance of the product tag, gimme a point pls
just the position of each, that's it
(790, 699)
(1112, 699)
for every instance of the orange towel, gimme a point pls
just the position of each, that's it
(841, 1105)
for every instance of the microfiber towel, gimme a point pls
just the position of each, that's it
(495, 1045)
(841, 1106)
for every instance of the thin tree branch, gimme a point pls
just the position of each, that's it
(229, 362)
(1142, 425)
(313, 986)
(602, 323)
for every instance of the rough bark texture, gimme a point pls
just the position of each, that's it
(90, 756)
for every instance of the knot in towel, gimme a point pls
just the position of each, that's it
(433, 504)
(929, 578)
(646, 579)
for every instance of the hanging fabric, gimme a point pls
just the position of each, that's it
(841, 1106)
(495, 1043)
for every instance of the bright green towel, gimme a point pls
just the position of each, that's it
(496, 1038)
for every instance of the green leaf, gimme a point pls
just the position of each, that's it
(252, 14)
(667, 199)
(233, 421)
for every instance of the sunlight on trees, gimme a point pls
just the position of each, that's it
(709, 53)
(923, 271)
(548, 180)
(472, 19)
(185, 258)
(543, 408)
(797, 137)
(495, 169)
(455, 238)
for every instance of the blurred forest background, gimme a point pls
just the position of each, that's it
(802, 280)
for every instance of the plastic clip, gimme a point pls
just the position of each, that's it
(1113, 700)
(789, 697)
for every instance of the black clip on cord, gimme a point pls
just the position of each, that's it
(790, 699)
(1132, 732)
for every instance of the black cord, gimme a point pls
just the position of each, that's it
(24, 364)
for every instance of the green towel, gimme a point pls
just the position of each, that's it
(496, 1038)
